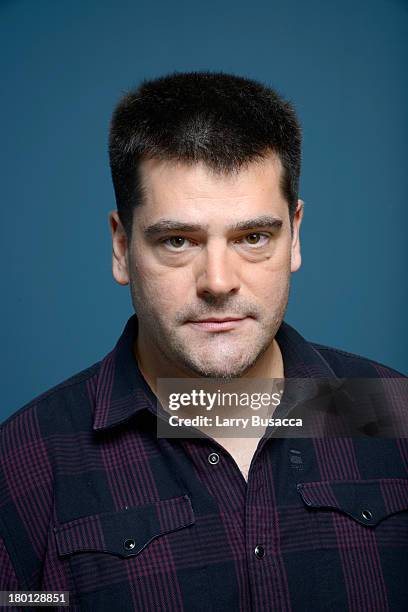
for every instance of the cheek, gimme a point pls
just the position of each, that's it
(270, 276)
(161, 289)
(270, 287)
(280, 258)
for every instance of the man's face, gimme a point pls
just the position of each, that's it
(209, 264)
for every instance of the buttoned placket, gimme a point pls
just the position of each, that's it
(259, 510)
(260, 538)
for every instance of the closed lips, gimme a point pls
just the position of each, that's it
(213, 324)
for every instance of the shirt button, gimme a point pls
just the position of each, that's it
(213, 458)
(129, 544)
(259, 551)
(367, 515)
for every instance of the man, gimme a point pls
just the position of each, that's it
(206, 169)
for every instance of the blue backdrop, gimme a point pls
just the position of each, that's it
(64, 66)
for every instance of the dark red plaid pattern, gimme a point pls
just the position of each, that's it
(93, 503)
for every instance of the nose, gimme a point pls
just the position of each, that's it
(217, 275)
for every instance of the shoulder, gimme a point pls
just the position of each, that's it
(29, 437)
(68, 392)
(350, 365)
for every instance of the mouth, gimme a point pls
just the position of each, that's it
(215, 324)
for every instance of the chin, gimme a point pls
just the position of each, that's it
(219, 370)
(217, 361)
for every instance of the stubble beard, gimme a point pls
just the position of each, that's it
(228, 364)
(171, 345)
(220, 359)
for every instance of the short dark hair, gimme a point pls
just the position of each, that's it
(221, 119)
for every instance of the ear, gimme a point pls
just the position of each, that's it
(296, 258)
(120, 269)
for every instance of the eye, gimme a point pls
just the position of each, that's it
(176, 243)
(253, 238)
(256, 239)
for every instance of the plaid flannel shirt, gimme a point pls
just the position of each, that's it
(94, 503)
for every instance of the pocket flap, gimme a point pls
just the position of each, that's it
(366, 501)
(124, 532)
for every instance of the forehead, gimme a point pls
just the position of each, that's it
(195, 189)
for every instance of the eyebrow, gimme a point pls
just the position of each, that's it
(170, 225)
(262, 222)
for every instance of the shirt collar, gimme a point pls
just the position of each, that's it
(122, 392)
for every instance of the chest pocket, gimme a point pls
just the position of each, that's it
(130, 557)
(124, 533)
(356, 513)
(359, 528)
